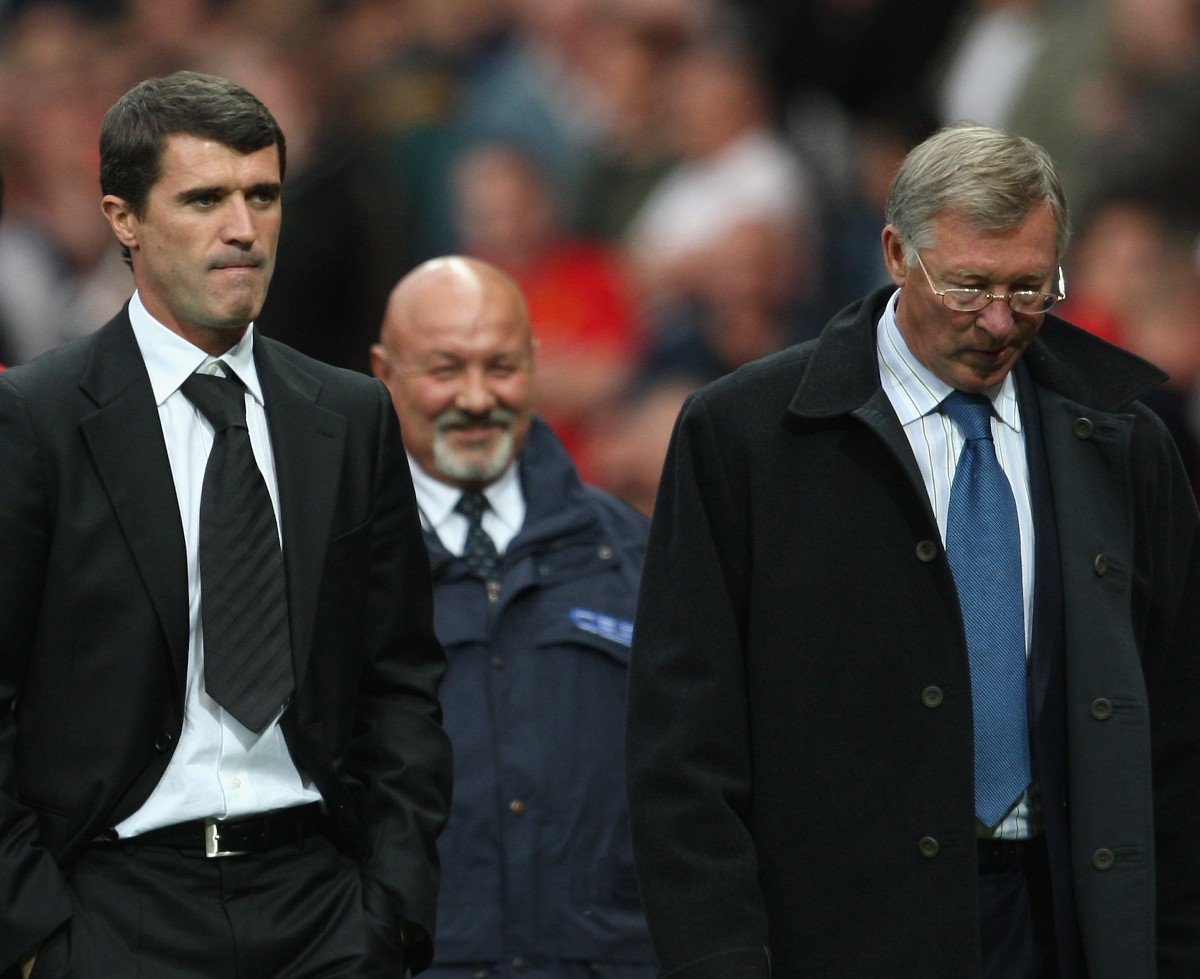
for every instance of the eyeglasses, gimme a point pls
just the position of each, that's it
(1019, 301)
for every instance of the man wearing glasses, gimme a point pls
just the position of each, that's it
(924, 701)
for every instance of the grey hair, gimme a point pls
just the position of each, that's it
(990, 177)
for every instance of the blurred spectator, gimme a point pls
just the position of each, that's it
(407, 107)
(579, 301)
(984, 62)
(533, 94)
(626, 58)
(59, 267)
(631, 440)
(1133, 279)
(744, 307)
(853, 208)
(734, 167)
(855, 52)
(322, 301)
(1115, 100)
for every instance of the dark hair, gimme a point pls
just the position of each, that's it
(188, 103)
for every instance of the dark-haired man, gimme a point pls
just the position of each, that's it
(220, 741)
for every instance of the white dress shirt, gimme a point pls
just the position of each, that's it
(915, 393)
(219, 768)
(437, 500)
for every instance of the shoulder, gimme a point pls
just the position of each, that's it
(335, 387)
(622, 520)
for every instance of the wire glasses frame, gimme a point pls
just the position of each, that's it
(1024, 301)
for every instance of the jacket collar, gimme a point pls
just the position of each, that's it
(842, 372)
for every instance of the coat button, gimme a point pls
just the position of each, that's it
(1083, 428)
(929, 847)
(1100, 565)
(932, 696)
(164, 741)
(605, 552)
(927, 551)
(1103, 859)
(1102, 708)
(517, 807)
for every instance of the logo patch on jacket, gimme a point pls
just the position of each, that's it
(599, 624)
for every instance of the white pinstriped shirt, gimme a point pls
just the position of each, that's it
(915, 393)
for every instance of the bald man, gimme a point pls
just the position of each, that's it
(535, 581)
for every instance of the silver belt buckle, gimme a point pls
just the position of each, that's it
(212, 841)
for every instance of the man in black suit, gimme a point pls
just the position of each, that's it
(149, 823)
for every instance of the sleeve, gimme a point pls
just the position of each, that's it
(688, 740)
(400, 753)
(1168, 607)
(34, 899)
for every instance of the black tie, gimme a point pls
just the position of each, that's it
(243, 599)
(480, 550)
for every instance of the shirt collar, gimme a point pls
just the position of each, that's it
(170, 359)
(915, 391)
(437, 500)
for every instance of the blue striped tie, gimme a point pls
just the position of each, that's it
(983, 543)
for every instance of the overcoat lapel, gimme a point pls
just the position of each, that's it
(308, 443)
(125, 440)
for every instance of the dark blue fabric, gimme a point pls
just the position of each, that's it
(536, 858)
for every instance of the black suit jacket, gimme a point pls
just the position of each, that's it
(94, 627)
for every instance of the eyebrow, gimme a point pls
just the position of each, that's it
(273, 187)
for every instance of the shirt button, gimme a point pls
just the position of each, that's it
(237, 783)
(605, 552)
(520, 963)
(498, 662)
(517, 807)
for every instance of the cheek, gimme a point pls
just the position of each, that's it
(514, 392)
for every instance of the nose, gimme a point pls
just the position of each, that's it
(239, 225)
(996, 319)
(475, 394)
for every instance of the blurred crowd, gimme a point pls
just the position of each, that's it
(679, 186)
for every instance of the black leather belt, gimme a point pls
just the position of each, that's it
(1001, 856)
(235, 837)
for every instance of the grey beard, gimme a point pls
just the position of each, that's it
(482, 471)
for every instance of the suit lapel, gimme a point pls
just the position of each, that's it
(125, 439)
(308, 443)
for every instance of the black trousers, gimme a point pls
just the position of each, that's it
(299, 911)
(1016, 915)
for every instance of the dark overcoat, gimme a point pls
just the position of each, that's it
(800, 736)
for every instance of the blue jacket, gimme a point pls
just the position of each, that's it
(536, 858)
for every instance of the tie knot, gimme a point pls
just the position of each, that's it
(220, 399)
(472, 504)
(972, 413)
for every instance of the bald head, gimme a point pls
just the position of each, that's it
(456, 352)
